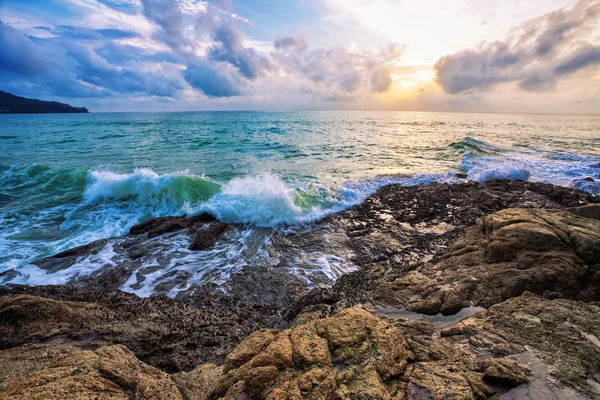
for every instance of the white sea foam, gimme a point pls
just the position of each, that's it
(33, 275)
(537, 165)
(264, 200)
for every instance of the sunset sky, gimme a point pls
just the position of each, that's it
(181, 55)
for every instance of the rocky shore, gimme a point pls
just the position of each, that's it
(466, 291)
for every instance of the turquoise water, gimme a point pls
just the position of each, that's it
(66, 180)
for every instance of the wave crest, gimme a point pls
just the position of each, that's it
(469, 144)
(171, 191)
(263, 200)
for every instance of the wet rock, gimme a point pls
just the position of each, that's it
(207, 237)
(159, 226)
(426, 221)
(8, 275)
(67, 258)
(269, 287)
(397, 229)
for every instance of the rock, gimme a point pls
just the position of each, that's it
(353, 354)
(350, 354)
(543, 336)
(551, 253)
(503, 371)
(206, 238)
(168, 334)
(159, 226)
(398, 228)
(590, 211)
(47, 372)
(533, 267)
(67, 258)
(357, 355)
(198, 383)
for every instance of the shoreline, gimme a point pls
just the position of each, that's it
(425, 250)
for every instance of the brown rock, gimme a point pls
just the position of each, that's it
(503, 371)
(48, 372)
(551, 253)
(589, 211)
(207, 237)
(172, 335)
(159, 226)
(199, 383)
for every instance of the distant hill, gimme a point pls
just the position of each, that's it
(11, 104)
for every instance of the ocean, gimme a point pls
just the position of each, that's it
(69, 179)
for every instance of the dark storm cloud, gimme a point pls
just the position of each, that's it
(536, 55)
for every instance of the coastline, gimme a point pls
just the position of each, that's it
(521, 256)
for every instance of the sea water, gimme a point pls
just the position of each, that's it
(69, 179)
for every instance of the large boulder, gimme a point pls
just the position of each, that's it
(57, 372)
(548, 252)
(356, 355)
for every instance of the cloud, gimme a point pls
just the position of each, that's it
(84, 33)
(212, 81)
(67, 68)
(582, 58)
(536, 55)
(381, 80)
(227, 62)
(168, 16)
(95, 70)
(337, 72)
(230, 67)
(229, 47)
(21, 55)
(125, 6)
(300, 44)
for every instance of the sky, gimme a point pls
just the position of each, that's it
(419, 55)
